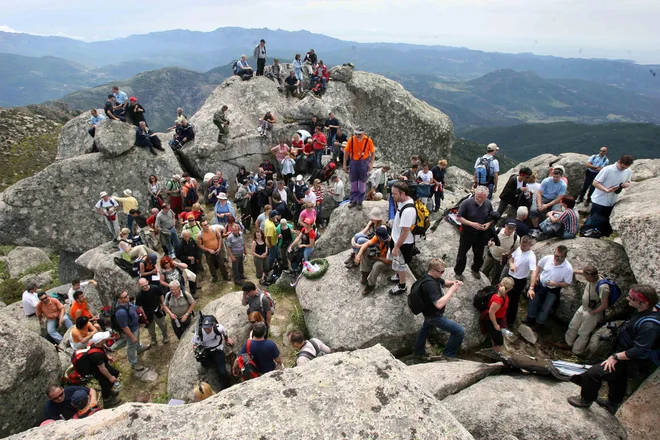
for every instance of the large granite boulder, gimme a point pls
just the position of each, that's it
(114, 138)
(344, 224)
(14, 312)
(639, 414)
(457, 179)
(644, 169)
(63, 216)
(23, 258)
(598, 348)
(361, 394)
(609, 258)
(68, 270)
(39, 279)
(529, 407)
(364, 99)
(185, 372)
(637, 221)
(446, 378)
(28, 364)
(441, 243)
(342, 73)
(337, 313)
(74, 139)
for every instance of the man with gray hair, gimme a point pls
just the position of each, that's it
(128, 320)
(145, 137)
(179, 307)
(522, 228)
(476, 215)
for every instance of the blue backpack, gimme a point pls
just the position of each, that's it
(615, 291)
(482, 170)
(654, 353)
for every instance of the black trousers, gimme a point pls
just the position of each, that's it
(178, 331)
(470, 240)
(106, 385)
(92, 131)
(519, 286)
(588, 180)
(616, 380)
(496, 335)
(217, 359)
(261, 63)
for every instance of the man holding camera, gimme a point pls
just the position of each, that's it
(609, 182)
(209, 345)
(637, 345)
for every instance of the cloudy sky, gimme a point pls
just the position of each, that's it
(571, 28)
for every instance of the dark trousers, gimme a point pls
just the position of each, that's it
(438, 196)
(237, 268)
(605, 211)
(92, 131)
(518, 290)
(291, 90)
(470, 240)
(194, 268)
(217, 360)
(106, 385)
(215, 262)
(261, 63)
(179, 329)
(616, 380)
(149, 142)
(496, 335)
(588, 180)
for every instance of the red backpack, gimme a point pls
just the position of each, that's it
(81, 354)
(246, 365)
(328, 171)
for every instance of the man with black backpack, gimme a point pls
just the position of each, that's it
(94, 361)
(307, 349)
(487, 170)
(403, 241)
(637, 347)
(125, 319)
(208, 342)
(515, 192)
(428, 297)
(257, 301)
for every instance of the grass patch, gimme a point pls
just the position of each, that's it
(11, 289)
(6, 249)
(298, 320)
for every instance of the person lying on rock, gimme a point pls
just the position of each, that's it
(307, 349)
(144, 137)
(373, 260)
(211, 337)
(59, 405)
(53, 311)
(637, 348)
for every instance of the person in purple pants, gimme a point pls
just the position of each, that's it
(360, 148)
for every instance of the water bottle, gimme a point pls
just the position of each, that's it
(117, 385)
(506, 332)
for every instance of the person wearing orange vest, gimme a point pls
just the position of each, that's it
(360, 148)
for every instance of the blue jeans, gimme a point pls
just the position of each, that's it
(540, 307)
(51, 327)
(360, 239)
(307, 252)
(456, 335)
(131, 348)
(174, 240)
(129, 222)
(317, 159)
(546, 225)
(273, 256)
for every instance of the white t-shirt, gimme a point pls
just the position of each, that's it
(406, 220)
(283, 194)
(108, 205)
(304, 135)
(525, 262)
(426, 177)
(311, 197)
(211, 340)
(608, 177)
(338, 189)
(72, 290)
(309, 348)
(494, 164)
(550, 272)
(29, 302)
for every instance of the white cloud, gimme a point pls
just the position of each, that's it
(4, 28)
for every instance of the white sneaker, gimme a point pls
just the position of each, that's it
(394, 278)
(396, 290)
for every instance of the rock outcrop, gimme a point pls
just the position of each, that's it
(362, 394)
(14, 312)
(55, 207)
(637, 221)
(457, 179)
(74, 140)
(27, 365)
(114, 137)
(361, 99)
(185, 372)
(22, 258)
(344, 224)
(441, 243)
(446, 378)
(68, 269)
(512, 407)
(609, 258)
(644, 169)
(639, 413)
(337, 313)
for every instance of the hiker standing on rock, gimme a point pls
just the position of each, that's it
(220, 120)
(107, 207)
(595, 163)
(260, 56)
(360, 148)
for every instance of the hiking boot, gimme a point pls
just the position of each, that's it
(529, 321)
(359, 206)
(138, 367)
(612, 408)
(114, 393)
(476, 274)
(363, 281)
(142, 348)
(397, 290)
(350, 258)
(226, 278)
(394, 278)
(159, 148)
(459, 276)
(153, 151)
(368, 289)
(352, 205)
(153, 343)
(111, 402)
(578, 402)
(351, 265)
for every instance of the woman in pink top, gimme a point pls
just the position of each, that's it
(280, 151)
(308, 212)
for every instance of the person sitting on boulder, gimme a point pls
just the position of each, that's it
(111, 112)
(307, 349)
(369, 231)
(149, 270)
(276, 74)
(80, 307)
(77, 285)
(378, 179)
(552, 273)
(94, 122)
(243, 69)
(336, 190)
(107, 207)
(266, 123)
(549, 196)
(129, 252)
(84, 405)
(292, 84)
(211, 337)
(305, 241)
(184, 133)
(637, 343)
(435, 300)
(53, 311)
(179, 119)
(522, 228)
(30, 300)
(97, 363)
(500, 248)
(311, 58)
(82, 332)
(135, 111)
(373, 260)
(321, 75)
(493, 319)
(59, 405)
(515, 192)
(264, 352)
(220, 120)
(561, 224)
(144, 137)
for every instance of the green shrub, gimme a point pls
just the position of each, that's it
(11, 290)
(298, 320)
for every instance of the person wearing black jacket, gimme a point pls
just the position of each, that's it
(135, 111)
(184, 133)
(439, 172)
(189, 253)
(637, 339)
(515, 191)
(144, 137)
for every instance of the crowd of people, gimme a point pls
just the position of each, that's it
(283, 214)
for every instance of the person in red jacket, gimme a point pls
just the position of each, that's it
(321, 74)
(319, 142)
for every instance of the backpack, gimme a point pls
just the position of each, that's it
(654, 353)
(422, 220)
(482, 297)
(309, 355)
(113, 318)
(126, 266)
(246, 364)
(191, 195)
(482, 170)
(79, 355)
(515, 237)
(328, 171)
(416, 302)
(615, 291)
(263, 293)
(233, 66)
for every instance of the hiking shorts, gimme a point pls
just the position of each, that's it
(401, 261)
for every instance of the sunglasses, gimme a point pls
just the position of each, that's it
(559, 257)
(123, 297)
(44, 299)
(253, 322)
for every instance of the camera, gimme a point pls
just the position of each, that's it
(201, 353)
(612, 327)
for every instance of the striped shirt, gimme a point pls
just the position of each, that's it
(571, 221)
(319, 195)
(598, 161)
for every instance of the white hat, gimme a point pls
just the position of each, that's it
(376, 214)
(299, 177)
(128, 192)
(222, 196)
(492, 147)
(99, 337)
(176, 177)
(104, 194)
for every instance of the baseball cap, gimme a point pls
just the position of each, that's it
(492, 147)
(382, 233)
(99, 337)
(273, 213)
(79, 399)
(132, 99)
(308, 221)
(207, 322)
(299, 177)
(511, 222)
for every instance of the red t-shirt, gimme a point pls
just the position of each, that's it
(308, 148)
(298, 144)
(151, 221)
(501, 313)
(319, 141)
